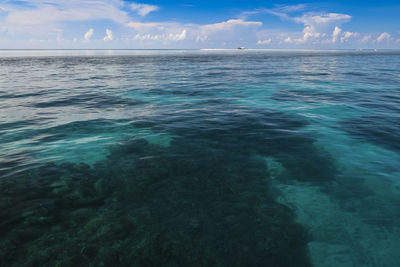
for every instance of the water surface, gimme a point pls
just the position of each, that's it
(199, 158)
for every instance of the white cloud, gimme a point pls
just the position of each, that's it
(161, 37)
(310, 32)
(308, 19)
(320, 28)
(290, 8)
(275, 12)
(313, 19)
(317, 26)
(335, 35)
(288, 40)
(229, 24)
(348, 35)
(144, 9)
(281, 11)
(48, 20)
(140, 26)
(264, 42)
(366, 39)
(52, 11)
(177, 37)
(309, 35)
(201, 38)
(109, 35)
(146, 37)
(88, 35)
(233, 30)
(229, 33)
(159, 31)
(383, 37)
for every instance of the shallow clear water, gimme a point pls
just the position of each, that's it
(199, 158)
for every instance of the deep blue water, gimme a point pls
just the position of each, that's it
(199, 158)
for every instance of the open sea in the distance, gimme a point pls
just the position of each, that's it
(199, 158)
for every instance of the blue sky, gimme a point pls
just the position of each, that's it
(193, 24)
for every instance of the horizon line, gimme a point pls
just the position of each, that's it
(198, 49)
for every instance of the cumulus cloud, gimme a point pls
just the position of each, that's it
(317, 26)
(216, 33)
(49, 19)
(310, 32)
(178, 37)
(152, 31)
(335, 35)
(366, 39)
(383, 37)
(109, 35)
(264, 42)
(201, 38)
(143, 9)
(161, 37)
(309, 35)
(88, 35)
(288, 40)
(348, 35)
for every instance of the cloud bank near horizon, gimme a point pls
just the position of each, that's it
(123, 24)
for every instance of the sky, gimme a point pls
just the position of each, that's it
(125, 24)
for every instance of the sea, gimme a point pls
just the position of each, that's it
(200, 158)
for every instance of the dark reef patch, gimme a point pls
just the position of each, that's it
(203, 201)
(186, 205)
(238, 129)
(381, 130)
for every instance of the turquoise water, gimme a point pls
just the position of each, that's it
(199, 158)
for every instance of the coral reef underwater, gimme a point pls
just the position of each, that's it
(205, 200)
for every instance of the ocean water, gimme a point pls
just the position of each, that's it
(199, 158)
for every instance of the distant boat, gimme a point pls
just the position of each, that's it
(241, 48)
